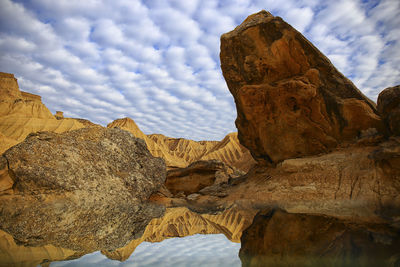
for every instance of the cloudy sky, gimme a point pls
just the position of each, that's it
(157, 61)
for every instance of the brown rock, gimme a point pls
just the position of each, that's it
(278, 238)
(180, 152)
(291, 101)
(199, 175)
(83, 190)
(22, 113)
(389, 108)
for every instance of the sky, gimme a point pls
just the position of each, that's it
(157, 61)
(197, 250)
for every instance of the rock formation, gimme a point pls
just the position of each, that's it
(84, 190)
(180, 152)
(323, 151)
(199, 175)
(22, 113)
(291, 101)
(278, 238)
(389, 108)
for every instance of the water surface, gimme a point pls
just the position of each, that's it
(196, 250)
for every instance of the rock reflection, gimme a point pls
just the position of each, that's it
(177, 222)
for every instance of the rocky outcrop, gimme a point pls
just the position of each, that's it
(22, 113)
(291, 101)
(129, 125)
(180, 152)
(389, 108)
(278, 238)
(198, 176)
(354, 182)
(84, 190)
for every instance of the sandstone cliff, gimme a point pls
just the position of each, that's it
(325, 154)
(84, 190)
(180, 152)
(22, 113)
(291, 101)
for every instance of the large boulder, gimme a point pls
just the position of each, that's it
(291, 101)
(83, 190)
(389, 108)
(278, 238)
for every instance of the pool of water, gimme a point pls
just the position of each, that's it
(196, 250)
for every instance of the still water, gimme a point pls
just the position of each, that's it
(196, 250)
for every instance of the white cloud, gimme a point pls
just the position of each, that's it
(158, 61)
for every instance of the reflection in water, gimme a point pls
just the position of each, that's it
(196, 250)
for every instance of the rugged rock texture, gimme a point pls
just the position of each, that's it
(354, 182)
(291, 101)
(181, 222)
(199, 175)
(129, 125)
(22, 113)
(83, 190)
(278, 238)
(389, 108)
(180, 152)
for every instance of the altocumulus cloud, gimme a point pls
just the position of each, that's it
(157, 61)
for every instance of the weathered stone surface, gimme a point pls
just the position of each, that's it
(278, 238)
(83, 190)
(198, 176)
(291, 101)
(351, 182)
(389, 108)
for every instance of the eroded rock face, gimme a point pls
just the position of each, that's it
(389, 108)
(83, 190)
(278, 238)
(291, 101)
(198, 176)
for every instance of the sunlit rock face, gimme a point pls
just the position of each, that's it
(22, 113)
(180, 152)
(83, 190)
(389, 108)
(278, 238)
(291, 101)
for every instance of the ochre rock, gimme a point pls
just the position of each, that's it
(129, 125)
(199, 175)
(291, 101)
(389, 108)
(278, 238)
(180, 152)
(84, 190)
(22, 113)
(353, 182)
